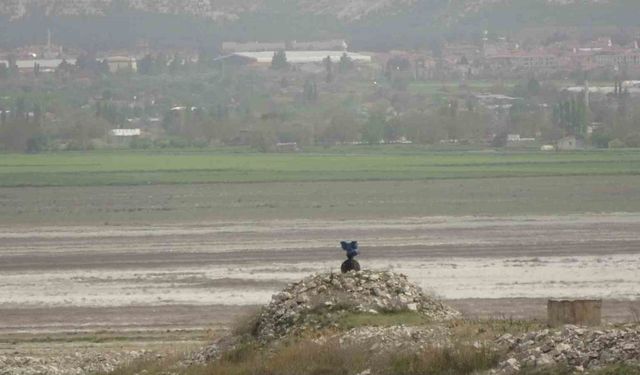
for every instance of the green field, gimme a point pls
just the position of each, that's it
(357, 182)
(365, 164)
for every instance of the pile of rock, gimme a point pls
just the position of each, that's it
(582, 349)
(77, 363)
(380, 340)
(319, 299)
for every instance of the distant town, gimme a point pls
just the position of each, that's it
(319, 187)
(562, 93)
(501, 58)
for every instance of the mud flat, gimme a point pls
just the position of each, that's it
(200, 276)
(75, 297)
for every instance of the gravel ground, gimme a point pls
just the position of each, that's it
(160, 277)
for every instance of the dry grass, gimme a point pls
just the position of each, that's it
(635, 314)
(247, 324)
(309, 358)
(456, 360)
(303, 357)
(481, 330)
(620, 369)
(306, 357)
(471, 351)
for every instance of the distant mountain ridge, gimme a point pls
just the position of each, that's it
(214, 9)
(232, 9)
(365, 24)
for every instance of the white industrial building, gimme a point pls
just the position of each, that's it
(293, 57)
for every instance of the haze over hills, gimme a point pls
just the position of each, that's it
(214, 9)
(230, 9)
(367, 24)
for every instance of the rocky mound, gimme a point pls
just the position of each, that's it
(72, 363)
(579, 348)
(316, 300)
(381, 340)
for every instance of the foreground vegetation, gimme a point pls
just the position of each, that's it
(560, 370)
(469, 353)
(307, 356)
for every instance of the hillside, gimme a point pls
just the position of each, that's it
(368, 24)
(213, 9)
(231, 9)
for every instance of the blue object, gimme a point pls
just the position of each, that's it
(351, 247)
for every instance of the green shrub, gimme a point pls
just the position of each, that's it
(37, 144)
(76, 145)
(617, 143)
(200, 143)
(162, 143)
(178, 143)
(600, 139)
(633, 140)
(141, 143)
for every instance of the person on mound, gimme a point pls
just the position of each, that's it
(351, 247)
